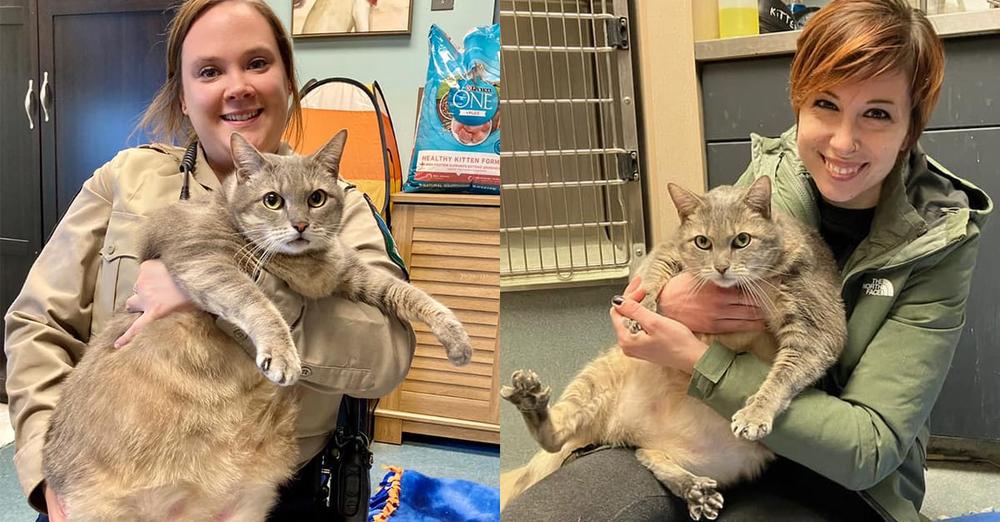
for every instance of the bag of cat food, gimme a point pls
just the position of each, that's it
(457, 146)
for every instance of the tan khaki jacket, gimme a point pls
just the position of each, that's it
(88, 267)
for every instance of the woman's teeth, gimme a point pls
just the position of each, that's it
(844, 171)
(241, 116)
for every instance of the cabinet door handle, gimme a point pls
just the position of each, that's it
(44, 94)
(27, 103)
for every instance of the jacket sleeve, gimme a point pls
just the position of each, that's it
(48, 325)
(857, 439)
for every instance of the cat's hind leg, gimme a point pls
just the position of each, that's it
(532, 400)
(541, 465)
(699, 492)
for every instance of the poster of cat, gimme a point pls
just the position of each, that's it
(311, 18)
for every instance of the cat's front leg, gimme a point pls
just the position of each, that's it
(218, 287)
(660, 266)
(801, 360)
(699, 492)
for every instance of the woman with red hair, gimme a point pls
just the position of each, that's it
(904, 231)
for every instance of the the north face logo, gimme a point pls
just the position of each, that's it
(882, 287)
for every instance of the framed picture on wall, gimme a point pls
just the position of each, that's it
(315, 18)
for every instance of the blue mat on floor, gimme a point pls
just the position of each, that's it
(409, 496)
(992, 516)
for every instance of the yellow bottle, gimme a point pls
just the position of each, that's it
(738, 18)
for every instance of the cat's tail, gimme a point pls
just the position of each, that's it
(413, 304)
(514, 482)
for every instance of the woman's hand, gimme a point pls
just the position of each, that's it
(707, 308)
(156, 296)
(54, 506)
(662, 341)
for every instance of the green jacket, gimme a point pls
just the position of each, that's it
(905, 287)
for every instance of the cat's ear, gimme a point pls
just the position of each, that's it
(329, 155)
(758, 196)
(687, 202)
(246, 158)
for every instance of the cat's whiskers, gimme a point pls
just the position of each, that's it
(758, 294)
(269, 252)
(693, 291)
(245, 254)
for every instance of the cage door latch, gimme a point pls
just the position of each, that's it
(628, 165)
(617, 32)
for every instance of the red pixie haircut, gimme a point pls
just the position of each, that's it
(854, 40)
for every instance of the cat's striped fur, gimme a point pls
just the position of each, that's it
(617, 400)
(181, 425)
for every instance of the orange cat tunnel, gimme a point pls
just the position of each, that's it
(371, 157)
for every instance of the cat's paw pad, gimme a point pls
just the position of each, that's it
(702, 498)
(526, 392)
(632, 326)
(281, 367)
(751, 423)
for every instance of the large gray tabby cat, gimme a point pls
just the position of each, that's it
(181, 425)
(728, 237)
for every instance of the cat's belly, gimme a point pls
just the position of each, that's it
(655, 412)
(182, 405)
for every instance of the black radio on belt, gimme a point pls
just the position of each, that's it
(344, 482)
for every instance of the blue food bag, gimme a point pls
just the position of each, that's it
(457, 147)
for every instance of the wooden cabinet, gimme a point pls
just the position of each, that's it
(451, 245)
(76, 76)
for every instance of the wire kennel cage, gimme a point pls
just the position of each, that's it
(571, 209)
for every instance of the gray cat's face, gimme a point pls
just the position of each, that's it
(728, 236)
(287, 204)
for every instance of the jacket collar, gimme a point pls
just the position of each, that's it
(208, 179)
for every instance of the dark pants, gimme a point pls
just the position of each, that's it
(295, 499)
(610, 485)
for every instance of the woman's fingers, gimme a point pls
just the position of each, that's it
(632, 285)
(133, 330)
(134, 304)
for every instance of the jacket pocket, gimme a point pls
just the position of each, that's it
(119, 267)
(335, 379)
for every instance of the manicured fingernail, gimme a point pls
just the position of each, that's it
(617, 300)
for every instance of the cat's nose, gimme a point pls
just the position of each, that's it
(300, 226)
(721, 269)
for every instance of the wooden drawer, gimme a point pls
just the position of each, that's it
(451, 246)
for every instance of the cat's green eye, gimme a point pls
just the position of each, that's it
(317, 199)
(702, 242)
(273, 201)
(741, 240)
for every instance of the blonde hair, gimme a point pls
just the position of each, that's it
(164, 119)
(853, 40)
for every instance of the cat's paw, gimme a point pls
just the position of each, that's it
(526, 392)
(752, 422)
(456, 344)
(281, 366)
(702, 498)
(632, 326)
